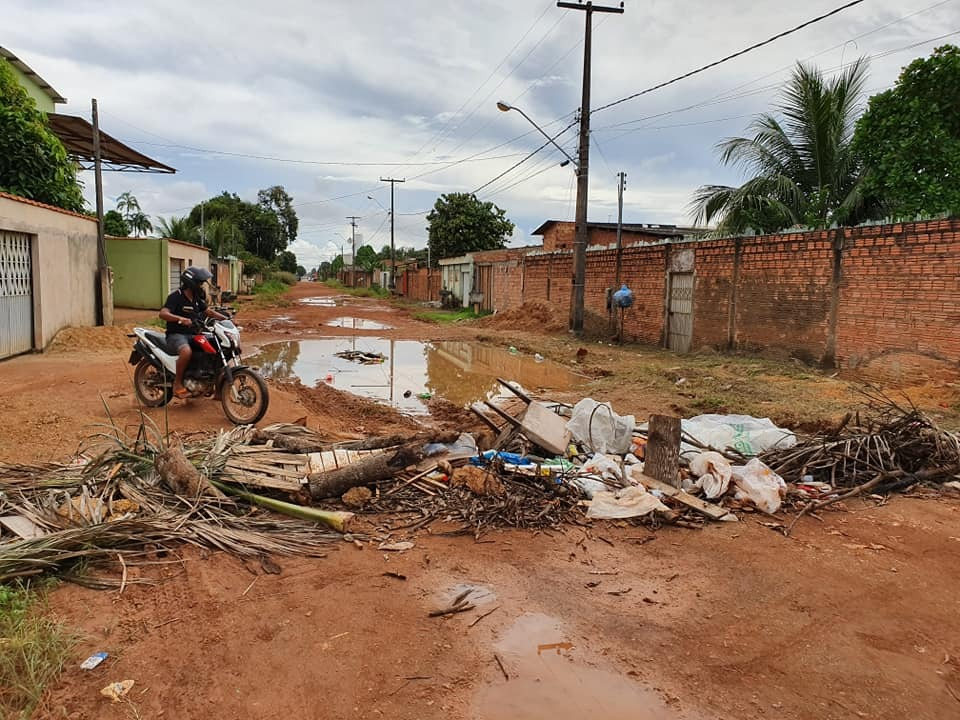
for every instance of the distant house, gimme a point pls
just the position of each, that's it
(39, 89)
(146, 270)
(560, 234)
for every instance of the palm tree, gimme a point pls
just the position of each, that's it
(178, 228)
(804, 168)
(222, 236)
(128, 205)
(140, 224)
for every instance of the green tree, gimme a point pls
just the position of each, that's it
(33, 161)
(128, 205)
(803, 167)
(259, 226)
(276, 200)
(140, 224)
(301, 271)
(222, 236)
(325, 270)
(178, 228)
(336, 266)
(287, 261)
(909, 138)
(459, 223)
(114, 224)
(367, 258)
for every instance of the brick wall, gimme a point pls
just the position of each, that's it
(420, 285)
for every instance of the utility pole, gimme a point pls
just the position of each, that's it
(353, 238)
(583, 166)
(621, 186)
(393, 256)
(105, 314)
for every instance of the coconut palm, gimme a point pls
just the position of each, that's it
(222, 236)
(128, 205)
(178, 228)
(140, 224)
(804, 169)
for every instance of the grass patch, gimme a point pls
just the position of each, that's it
(270, 293)
(33, 649)
(448, 316)
(374, 291)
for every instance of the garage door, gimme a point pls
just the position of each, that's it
(16, 294)
(176, 267)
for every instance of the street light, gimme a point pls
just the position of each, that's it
(505, 107)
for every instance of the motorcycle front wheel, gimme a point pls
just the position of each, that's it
(246, 399)
(152, 388)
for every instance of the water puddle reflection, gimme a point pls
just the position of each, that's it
(323, 300)
(461, 372)
(548, 678)
(355, 323)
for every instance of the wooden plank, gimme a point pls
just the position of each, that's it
(523, 396)
(545, 428)
(274, 470)
(22, 527)
(264, 481)
(480, 414)
(662, 454)
(506, 416)
(714, 512)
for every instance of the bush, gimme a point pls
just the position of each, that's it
(287, 278)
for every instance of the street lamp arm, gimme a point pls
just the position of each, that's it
(504, 107)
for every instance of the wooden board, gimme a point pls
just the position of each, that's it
(714, 512)
(22, 527)
(545, 428)
(274, 482)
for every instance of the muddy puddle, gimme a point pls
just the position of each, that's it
(550, 677)
(324, 300)
(356, 323)
(461, 372)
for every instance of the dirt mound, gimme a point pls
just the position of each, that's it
(348, 415)
(529, 316)
(107, 339)
(447, 416)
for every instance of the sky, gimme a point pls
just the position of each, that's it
(327, 98)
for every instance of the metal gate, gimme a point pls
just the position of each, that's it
(680, 312)
(176, 267)
(483, 287)
(16, 294)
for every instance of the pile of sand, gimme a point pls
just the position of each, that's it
(107, 339)
(534, 316)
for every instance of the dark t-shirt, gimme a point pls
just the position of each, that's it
(181, 306)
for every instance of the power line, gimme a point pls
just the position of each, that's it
(737, 54)
(521, 162)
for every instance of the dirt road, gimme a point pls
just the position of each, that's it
(851, 617)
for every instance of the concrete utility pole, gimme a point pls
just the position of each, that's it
(353, 239)
(622, 185)
(393, 255)
(583, 167)
(105, 314)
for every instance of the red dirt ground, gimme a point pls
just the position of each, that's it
(854, 616)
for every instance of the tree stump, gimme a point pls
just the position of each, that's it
(662, 454)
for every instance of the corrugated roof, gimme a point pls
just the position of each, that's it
(32, 74)
(77, 136)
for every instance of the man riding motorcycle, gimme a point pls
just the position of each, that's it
(181, 310)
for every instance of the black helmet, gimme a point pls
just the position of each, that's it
(194, 278)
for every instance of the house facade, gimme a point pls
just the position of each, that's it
(146, 270)
(37, 88)
(48, 273)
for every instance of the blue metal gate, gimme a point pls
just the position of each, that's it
(16, 294)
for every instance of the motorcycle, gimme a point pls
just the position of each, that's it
(215, 370)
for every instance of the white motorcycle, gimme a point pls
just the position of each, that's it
(215, 370)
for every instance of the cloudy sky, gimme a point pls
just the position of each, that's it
(326, 98)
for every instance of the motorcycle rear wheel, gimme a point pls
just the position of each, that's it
(252, 400)
(152, 388)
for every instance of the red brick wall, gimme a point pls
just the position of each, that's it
(414, 284)
(713, 284)
(900, 290)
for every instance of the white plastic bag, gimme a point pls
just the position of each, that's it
(627, 502)
(760, 485)
(747, 435)
(606, 466)
(713, 473)
(598, 427)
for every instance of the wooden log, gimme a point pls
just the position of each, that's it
(712, 511)
(293, 443)
(375, 468)
(662, 454)
(179, 474)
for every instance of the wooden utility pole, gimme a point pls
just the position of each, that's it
(583, 167)
(621, 186)
(353, 239)
(105, 311)
(393, 256)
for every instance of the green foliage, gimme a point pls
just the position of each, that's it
(301, 271)
(271, 290)
(114, 224)
(444, 317)
(287, 278)
(367, 258)
(374, 291)
(263, 229)
(33, 650)
(178, 228)
(337, 265)
(459, 223)
(325, 270)
(33, 161)
(222, 236)
(276, 200)
(140, 224)
(287, 261)
(253, 265)
(802, 162)
(909, 138)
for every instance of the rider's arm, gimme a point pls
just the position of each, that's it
(215, 315)
(168, 316)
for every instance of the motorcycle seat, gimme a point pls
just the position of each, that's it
(158, 339)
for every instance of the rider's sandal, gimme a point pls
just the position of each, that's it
(182, 393)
